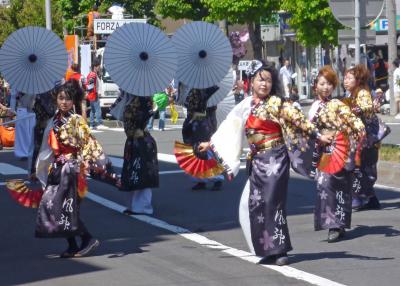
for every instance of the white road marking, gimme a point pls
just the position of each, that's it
(392, 123)
(204, 241)
(167, 127)
(7, 169)
(118, 162)
(171, 172)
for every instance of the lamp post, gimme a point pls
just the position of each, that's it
(357, 30)
(392, 49)
(48, 14)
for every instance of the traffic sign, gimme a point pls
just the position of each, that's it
(344, 11)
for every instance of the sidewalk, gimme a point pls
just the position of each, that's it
(389, 174)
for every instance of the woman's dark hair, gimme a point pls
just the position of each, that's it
(72, 89)
(276, 83)
(75, 67)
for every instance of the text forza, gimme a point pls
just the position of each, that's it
(108, 26)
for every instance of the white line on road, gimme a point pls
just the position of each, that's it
(204, 241)
(167, 127)
(7, 169)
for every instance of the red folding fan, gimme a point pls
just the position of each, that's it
(335, 155)
(193, 165)
(23, 195)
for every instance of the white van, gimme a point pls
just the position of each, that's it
(107, 89)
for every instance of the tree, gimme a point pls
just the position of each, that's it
(22, 13)
(242, 12)
(182, 9)
(247, 12)
(313, 21)
(72, 9)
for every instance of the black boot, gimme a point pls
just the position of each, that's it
(199, 186)
(89, 244)
(372, 204)
(217, 186)
(282, 259)
(335, 234)
(71, 250)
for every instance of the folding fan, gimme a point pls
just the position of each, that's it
(193, 165)
(335, 155)
(23, 195)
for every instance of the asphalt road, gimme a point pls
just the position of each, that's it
(194, 238)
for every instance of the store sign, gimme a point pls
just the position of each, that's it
(286, 29)
(108, 26)
(383, 24)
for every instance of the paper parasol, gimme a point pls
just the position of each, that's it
(205, 54)
(33, 59)
(140, 58)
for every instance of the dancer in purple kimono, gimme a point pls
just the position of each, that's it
(266, 120)
(336, 161)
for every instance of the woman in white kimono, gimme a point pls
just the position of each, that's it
(267, 121)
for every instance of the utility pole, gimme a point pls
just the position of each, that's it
(392, 48)
(48, 14)
(357, 30)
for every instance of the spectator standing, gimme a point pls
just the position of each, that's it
(92, 96)
(160, 102)
(396, 86)
(91, 16)
(286, 76)
(81, 80)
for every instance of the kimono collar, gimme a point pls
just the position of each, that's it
(59, 119)
(326, 99)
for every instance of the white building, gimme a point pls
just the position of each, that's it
(4, 2)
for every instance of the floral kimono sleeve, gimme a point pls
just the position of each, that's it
(76, 133)
(300, 135)
(91, 149)
(294, 121)
(353, 122)
(363, 103)
(100, 166)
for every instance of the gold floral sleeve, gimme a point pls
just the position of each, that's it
(363, 103)
(91, 149)
(353, 122)
(76, 133)
(295, 119)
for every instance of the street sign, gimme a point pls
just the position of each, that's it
(346, 37)
(270, 33)
(343, 10)
(107, 26)
(242, 65)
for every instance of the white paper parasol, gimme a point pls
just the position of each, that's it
(33, 59)
(225, 86)
(225, 106)
(205, 54)
(183, 92)
(140, 59)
